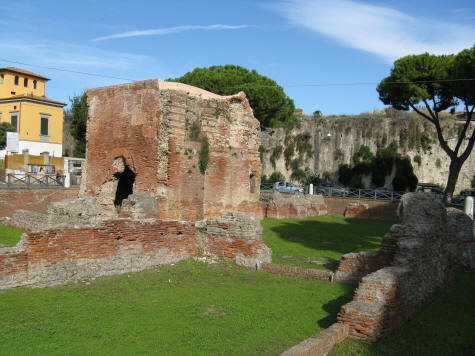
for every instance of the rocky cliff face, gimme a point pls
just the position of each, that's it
(334, 140)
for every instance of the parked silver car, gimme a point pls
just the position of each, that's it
(287, 187)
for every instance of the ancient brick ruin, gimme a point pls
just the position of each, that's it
(417, 256)
(172, 171)
(151, 138)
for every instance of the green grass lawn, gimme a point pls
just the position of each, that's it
(9, 236)
(186, 309)
(446, 326)
(320, 241)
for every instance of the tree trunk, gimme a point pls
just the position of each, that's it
(454, 171)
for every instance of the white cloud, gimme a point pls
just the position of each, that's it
(170, 30)
(379, 30)
(71, 56)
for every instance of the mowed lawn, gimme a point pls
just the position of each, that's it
(446, 326)
(320, 242)
(9, 236)
(190, 308)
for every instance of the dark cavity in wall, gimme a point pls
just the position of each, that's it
(125, 186)
(253, 182)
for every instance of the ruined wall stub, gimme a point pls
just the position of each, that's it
(156, 130)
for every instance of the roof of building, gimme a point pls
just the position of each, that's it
(23, 71)
(32, 97)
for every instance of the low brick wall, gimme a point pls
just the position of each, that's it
(295, 271)
(320, 344)
(278, 205)
(422, 250)
(32, 199)
(115, 246)
(354, 266)
(384, 210)
(66, 244)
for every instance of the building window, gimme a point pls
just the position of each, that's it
(44, 130)
(34, 84)
(2, 79)
(17, 80)
(14, 120)
(25, 82)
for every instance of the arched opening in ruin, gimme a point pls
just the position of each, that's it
(125, 185)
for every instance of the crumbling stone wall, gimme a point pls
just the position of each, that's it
(56, 256)
(236, 236)
(159, 131)
(422, 250)
(69, 243)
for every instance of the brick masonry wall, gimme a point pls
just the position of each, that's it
(158, 128)
(422, 251)
(353, 266)
(278, 205)
(31, 199)
(106, 246)
(375, 209)
(115, 246)
(320, 344)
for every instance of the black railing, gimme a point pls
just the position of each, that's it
(370, 194)
(29, 180)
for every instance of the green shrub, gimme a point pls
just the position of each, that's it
(379, 166)
(298, 175)
(303, 145)
(276, 177)
(344, 174)
(204, 155)
(312, 178)
(288, 154)
(262, 150)
(339, 155)
(438, 163)
(364, 154)
(275, 155)
(194, 131)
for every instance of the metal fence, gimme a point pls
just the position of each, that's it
(370, 194)
(33, 180)
(360, 193)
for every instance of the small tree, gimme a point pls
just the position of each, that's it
(438, 83)
(4, 128)
(78, 124)
(276, 177)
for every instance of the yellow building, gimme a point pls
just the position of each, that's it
(38, 119)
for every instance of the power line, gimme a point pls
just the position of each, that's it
(67, 70)
(256, 85)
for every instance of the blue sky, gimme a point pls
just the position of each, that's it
(310, 47)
